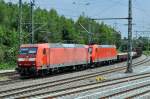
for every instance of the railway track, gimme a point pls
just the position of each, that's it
(142, 95)
(101, 86)
(14, 79)
(7, 73)
(27, 90)
(107, 90)
(141, 88)
(9, 78)
(131, 92)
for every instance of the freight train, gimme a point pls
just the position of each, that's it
(42, 59)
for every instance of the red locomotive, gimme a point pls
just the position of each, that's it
(45, 58)
(35, 59)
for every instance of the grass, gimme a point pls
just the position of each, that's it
(7, 66)
(146, 53)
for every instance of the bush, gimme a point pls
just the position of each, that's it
(7, 66)
(1, 55)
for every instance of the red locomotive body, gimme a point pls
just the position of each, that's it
(37, 58)
(101, 53)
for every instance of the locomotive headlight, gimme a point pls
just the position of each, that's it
(21, 59)
(31, 59)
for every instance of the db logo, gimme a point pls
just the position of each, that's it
(27, 58)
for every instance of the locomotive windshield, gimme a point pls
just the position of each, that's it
(28, 50)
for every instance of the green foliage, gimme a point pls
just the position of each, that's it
(49, 27)
(146, 53)
(1, 54)
(5, 65)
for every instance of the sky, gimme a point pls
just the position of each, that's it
(102, 9)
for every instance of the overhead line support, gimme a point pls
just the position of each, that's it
(32, 23)
(20, 22)
(129, 60)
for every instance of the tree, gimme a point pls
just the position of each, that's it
(49, 27)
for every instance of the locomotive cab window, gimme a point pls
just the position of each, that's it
(23, 51)
(28, 50)
(32, 50)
